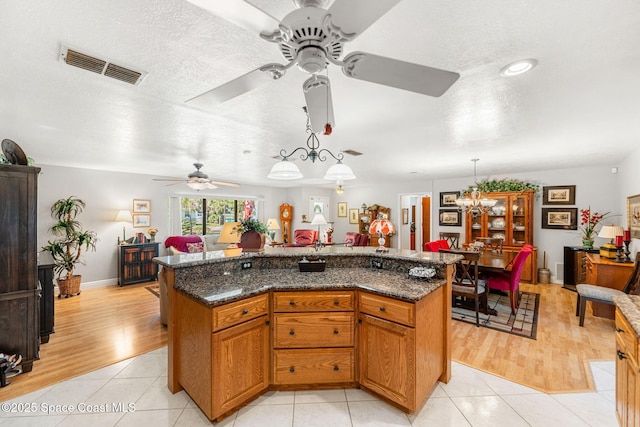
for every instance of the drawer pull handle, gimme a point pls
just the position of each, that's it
(336, 302)
(245, 311)
(292, 332)
(336, 332)
(292, 369)
(621, 355)
(383, 309)
(619, 330)
(336, 368)
(291, 303)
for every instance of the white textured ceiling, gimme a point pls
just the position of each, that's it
(580, 106)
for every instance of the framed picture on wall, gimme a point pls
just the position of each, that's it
(560, 218)
(342, 209)
(559, 195)
(353, 216)
(450, 217)
(141, 206)
(448, 198)
(633, 215)
(141, 220)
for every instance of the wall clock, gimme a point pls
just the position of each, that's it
(286, 213)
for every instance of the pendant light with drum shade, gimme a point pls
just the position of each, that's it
(474, 203)
(286, 170)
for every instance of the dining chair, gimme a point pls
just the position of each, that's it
(604, 295)
(452, 238)
(465, 283)
(509, 280)
(493, 244)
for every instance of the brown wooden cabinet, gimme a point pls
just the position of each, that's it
(135, 263)
(400, 347)
(605, 272)
(313, 338)
(627, 384)
(511, 219)
(223, 355)
(19, 290)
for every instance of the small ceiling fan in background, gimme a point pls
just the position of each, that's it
(312, 37)
(198, 180)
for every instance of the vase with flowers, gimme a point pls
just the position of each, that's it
(588, 223)
(329, 232)
(152, 234)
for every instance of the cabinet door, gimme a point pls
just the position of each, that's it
(240, 364)
(386, 359)
(521, 226)
(621, 382)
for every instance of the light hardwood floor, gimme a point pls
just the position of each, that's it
(106, 325)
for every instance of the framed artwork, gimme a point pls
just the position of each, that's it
(405, 215)
(141, 220)
(560, 218)
(353, 216)
(448, 198)
(450, 217)
(141, 206)
(559, 195)
(342, 209)
(318, 205)
(633, 215)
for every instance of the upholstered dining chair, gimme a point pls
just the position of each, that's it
(465, 283)
(509, 280)
(452, 238)
(436, 245)
(605, 295)
(493, 244)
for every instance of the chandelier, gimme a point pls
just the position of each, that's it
(474, 203)
(287, 170)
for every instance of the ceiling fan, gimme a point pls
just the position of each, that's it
(198, 180)
(311, 37)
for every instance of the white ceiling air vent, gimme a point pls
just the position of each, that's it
(352, 152)
(100, 66)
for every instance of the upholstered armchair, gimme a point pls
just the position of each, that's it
(436, 245)
(304, 237)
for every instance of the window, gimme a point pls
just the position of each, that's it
(207, 216)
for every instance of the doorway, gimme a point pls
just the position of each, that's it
(414, 226)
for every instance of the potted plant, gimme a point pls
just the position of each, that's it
(70, 239)
(588, 223)
(253, 235)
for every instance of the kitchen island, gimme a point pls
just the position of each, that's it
(241, 326)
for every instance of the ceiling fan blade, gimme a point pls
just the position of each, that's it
(169, 179)
(231, 89)
(399, 74)
(240, 13)
(228, 184)
(317, 93)
(355, 16)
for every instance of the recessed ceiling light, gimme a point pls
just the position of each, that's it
(518, 67)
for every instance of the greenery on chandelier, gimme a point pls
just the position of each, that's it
(500, 185)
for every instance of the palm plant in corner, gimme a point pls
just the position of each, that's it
(70, 239)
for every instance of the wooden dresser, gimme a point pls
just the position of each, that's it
(607, 273)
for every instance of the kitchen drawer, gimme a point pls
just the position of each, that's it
(313, 330)
(240, 311)
(387, 308)
(313, 301)
(627, 335)
(314, 366)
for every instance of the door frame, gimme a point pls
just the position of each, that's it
(403, 231)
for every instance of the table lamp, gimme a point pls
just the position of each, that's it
(229, 234)
(124, 216)
(384, 227)
(608, 250)
(272, 226)
(318, 219)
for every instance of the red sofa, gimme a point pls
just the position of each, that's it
(304, 237)
(351, 238)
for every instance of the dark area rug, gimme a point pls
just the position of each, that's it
(524, 323)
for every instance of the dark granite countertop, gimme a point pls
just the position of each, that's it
(227, 288)
(629, 305)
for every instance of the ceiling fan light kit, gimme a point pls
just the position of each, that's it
(198, 180)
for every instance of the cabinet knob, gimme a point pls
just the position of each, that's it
(336, 368)
(621, 355)
(291, 303)
(292, 369)
(336, 332)
(245, 311)
(336, 302)
(292, 332)
(383, 309)
(619, 330)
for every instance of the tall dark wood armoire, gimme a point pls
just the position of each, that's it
(19, 290)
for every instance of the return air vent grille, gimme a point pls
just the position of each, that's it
(352, 152)
(100, 66)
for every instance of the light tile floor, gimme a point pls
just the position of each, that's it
(134, 393)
